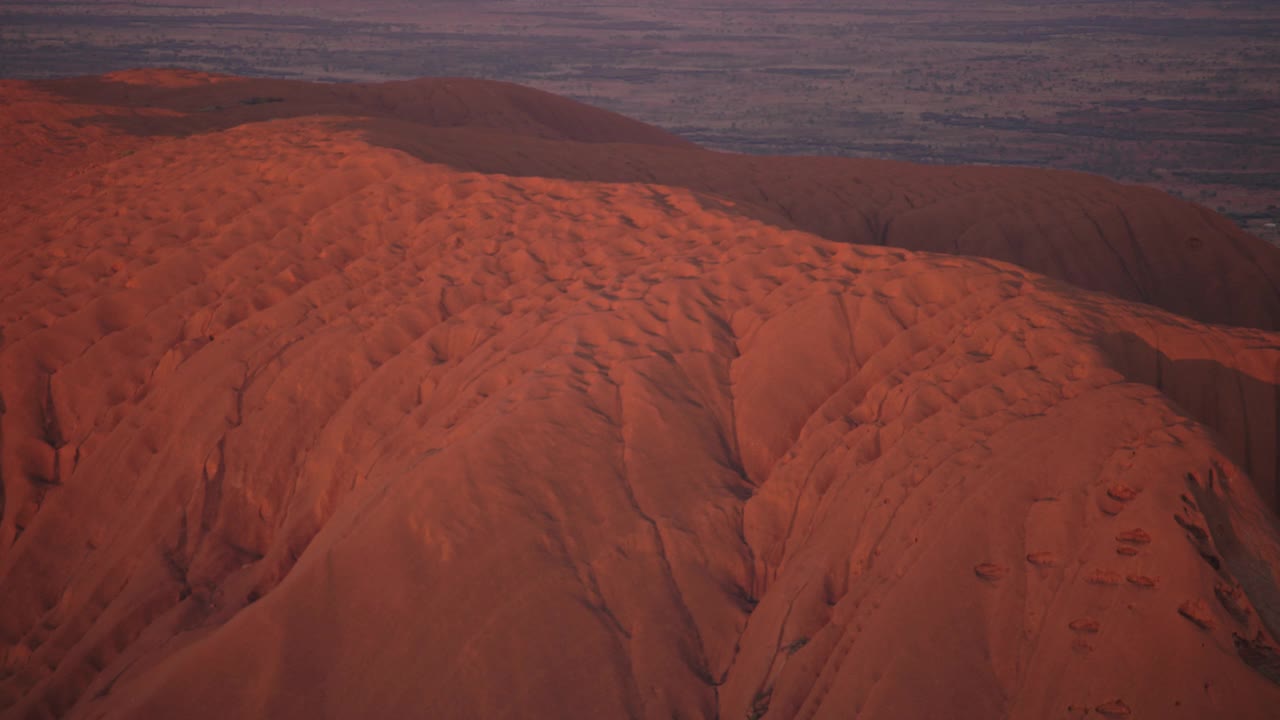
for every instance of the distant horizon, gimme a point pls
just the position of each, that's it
(1175, 94)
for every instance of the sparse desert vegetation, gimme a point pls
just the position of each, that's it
(1185, 101)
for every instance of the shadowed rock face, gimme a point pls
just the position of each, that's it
(516, 409)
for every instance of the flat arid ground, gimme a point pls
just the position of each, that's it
(457, 399)
(1181, 95)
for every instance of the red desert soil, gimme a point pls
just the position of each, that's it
(452, 399)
